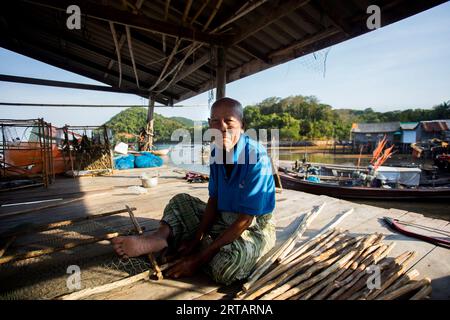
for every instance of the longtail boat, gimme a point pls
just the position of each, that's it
(291, 181)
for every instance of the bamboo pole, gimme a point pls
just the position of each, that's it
(113, 285)
(359, 275)
(333, 238)
(213, 14)
(62, 223)
(405, 279)
(20, 212)
(303, 228)
(345, 278)
(338, 263)
(70, 245)
(413, 285)
(266, 264)
(51, 154)
(388, 267)
(423, 293)
(375, 245)
(304, 247)
(105, 288)
(118, 47)
(140, 232)
(316, 243)
(323, 283)
(367, 244)
(398, 271)
(323, 261)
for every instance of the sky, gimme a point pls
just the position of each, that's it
(400, 66)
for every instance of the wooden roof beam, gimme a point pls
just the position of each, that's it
(109, 13)
(330, 12)
(46, 59)
(44, 56)
(71, 38)
(155, 44)
(70, 85)
(273, 12)
(251, 51)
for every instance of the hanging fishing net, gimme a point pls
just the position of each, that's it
(315, 62)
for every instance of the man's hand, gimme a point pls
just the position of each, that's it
(187, 247)
(185, 268)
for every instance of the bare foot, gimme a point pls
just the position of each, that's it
(135, 246)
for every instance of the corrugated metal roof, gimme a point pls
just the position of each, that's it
(435, 126)
(264, 34)
(382, 127)
(408, 125)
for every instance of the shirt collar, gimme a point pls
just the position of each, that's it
(239, 147)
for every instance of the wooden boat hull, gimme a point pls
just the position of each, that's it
(28, 153)
(293, 183)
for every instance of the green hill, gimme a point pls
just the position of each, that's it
(297, 117)
(131, 120)
(185, 121)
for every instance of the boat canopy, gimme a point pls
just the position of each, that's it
(405, 176)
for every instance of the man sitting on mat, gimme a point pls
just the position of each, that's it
(227, 235)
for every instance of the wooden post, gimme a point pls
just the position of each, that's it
(52, 164)
(221, 73)
(150, 120)
(4, 150)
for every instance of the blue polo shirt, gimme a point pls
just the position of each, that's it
(250, 189)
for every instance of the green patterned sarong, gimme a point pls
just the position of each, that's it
(234, 261)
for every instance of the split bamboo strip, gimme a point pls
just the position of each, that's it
(316, 266)
(358, 261)
(367, 244)
(414, 285)
(295, 267)
(317, 240)
(344, 258)
(375, 245)
(316, 288)
(304, 247)
(393, 276)
(287, 265)
(266, 264)
(345, 277)
(388, 266)
(359, 276)
(423, 293)
(291, 246)
(405, 279)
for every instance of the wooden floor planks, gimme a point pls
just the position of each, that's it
(431, 261)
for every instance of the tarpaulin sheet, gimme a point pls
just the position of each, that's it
(405, 176)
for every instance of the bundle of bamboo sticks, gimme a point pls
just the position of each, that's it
(337, 266)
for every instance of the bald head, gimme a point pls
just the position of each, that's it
(232, 105)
